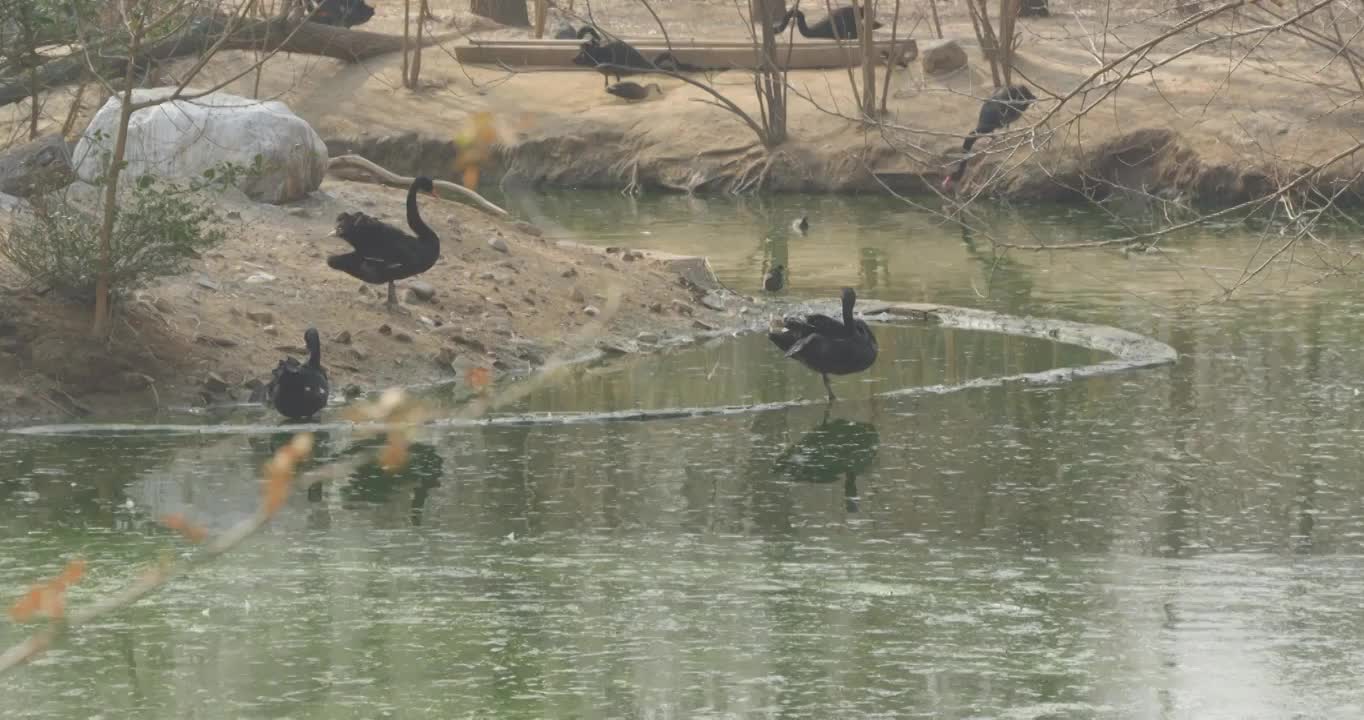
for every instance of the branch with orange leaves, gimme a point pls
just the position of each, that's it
(47, 600)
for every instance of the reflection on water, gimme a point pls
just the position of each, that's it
(1181, 542)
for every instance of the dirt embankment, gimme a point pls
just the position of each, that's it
(506, 299)
(1201, 127)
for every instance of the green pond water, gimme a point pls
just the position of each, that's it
(1178, 542)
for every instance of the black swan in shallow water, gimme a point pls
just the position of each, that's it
(842, 23)
(1001, 109)
(827, 346)
(383, 253)
(297, 390)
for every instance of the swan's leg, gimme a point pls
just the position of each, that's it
(829, 387)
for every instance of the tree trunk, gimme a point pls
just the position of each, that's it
(407, 32)
(769, 11)
(100, 327)
(264, 35)
(868, 58)
(506, 12)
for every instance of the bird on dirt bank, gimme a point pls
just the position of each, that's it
(384, 253)
(774, 280)
(842, 23)
(825, 345)
(634, 92)
(299, 390)
(1001, 109)
(801, 224)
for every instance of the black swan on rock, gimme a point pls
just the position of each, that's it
(633, 91)
(773, 280)
(383, 253)
(842, 23)
(620, 58)
(345, 13)
(299, 390)
(1001, 109)
(827, 346)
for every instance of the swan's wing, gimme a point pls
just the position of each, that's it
(825, 325)
(372, 237)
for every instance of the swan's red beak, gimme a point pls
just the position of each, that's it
(947, 184)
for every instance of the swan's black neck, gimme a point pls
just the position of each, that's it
(414, 218)
(314, 351)
(848, 300)
(800, 22)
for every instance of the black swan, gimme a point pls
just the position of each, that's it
(774, 280)
(297, 390)
(801, 224)
(346, 13)
(384, 253)
(633, 91)
(1001, 109)
(1034, 8)
(620, 58)
(827, 346)
(566, 32)
(842, 23)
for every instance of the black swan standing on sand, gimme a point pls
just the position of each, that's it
(827, 346)
(620, 58)
(383, 253)
(842, 23)
(1001, 109)
(345, 13)
(773, 280)
(297, 390)
(633, 91)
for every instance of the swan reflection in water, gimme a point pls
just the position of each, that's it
(370, 483)
(833, 449)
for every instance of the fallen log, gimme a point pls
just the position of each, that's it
(354, 167)
(281, 34)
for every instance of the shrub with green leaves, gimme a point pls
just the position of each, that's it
(160, 227)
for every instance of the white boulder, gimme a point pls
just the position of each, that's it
(179, 140)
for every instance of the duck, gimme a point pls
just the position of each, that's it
(825, 345)
(998, 111)
(842, 23)
(773, 280)
(384, 253)
(635, 92)
(299, 391)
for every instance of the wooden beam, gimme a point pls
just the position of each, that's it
(809, 55)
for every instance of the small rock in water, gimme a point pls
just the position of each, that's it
(299, 212)
(342, 338)
(656, 308)
(527, 228)
(702, 325)
(259, 277)
(204, 282)
(353, 391)
(163, 306)
(270, 330)
(713, 301)
(591, 311)
(647, 337)
(364, 290)
(402, 337)
(499, 245)
(261, 316)
(486, 276)
(422, 290)
(569, 273)
(618, 346)
(632, 255)
(215, 341)
(385, 329)
(233, 215)
(359, 354)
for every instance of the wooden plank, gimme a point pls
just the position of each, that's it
(814, 55)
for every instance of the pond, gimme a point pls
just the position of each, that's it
(1184, 541)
